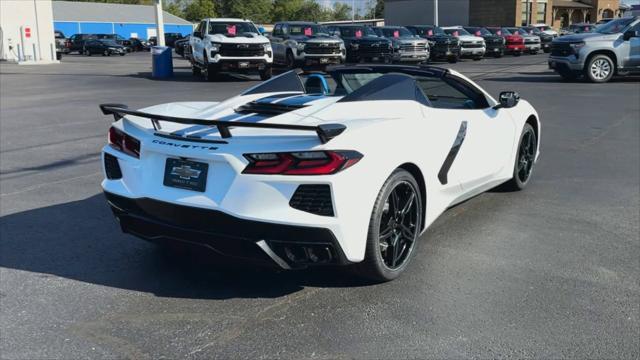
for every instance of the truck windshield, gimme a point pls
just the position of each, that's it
(231, 28)
(615, 26)
(357, 31)
(428, 31)
(457, 32)
(308, 30)
(396, 32)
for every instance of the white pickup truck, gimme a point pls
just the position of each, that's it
(229, 45)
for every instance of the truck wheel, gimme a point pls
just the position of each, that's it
(195, 70)
(547, 50)
(212, 73)
(266, 73)
(290, 60)
(599, 69)
(477, 58)
(58, 56)
(499, 54)
(453, 59)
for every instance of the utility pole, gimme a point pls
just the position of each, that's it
(159, 23)
(435, 12)
(528, 13)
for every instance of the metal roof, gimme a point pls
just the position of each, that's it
(111, 13)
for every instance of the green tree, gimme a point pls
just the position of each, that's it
(285, 9)
(311, 11)
(341, 11)
(197, 10)
(258, 11)
(175, 7)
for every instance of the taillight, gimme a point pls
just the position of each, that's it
(301, 163)
(123, 142)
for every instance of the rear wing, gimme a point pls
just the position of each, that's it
(325, 132)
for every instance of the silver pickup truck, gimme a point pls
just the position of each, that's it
(612, 49)
(299, 43)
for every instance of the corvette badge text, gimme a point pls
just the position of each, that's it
(185, 146)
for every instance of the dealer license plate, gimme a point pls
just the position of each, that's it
(186, 174)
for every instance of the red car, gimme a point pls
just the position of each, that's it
(514, 43)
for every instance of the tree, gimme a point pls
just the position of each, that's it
(285, 9)
(312, 11)
(197, 10)
(258, 11)
(175, 7)
(341, 11)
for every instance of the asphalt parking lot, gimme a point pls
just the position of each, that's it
(551, 272)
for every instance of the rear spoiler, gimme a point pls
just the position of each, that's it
(325, 132)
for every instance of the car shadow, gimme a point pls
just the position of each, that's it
(81, 241)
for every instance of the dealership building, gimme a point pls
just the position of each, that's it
(557, 13)
(137, 21)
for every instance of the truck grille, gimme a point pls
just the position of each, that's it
(322, 48)
(413, 47)
(472, 45)
(561, 49)
(242, 50)
(374, 49)
(315, 199)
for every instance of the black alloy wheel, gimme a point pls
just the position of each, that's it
(525, 159)
(394, 227)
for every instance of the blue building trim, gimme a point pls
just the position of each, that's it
(123, 29)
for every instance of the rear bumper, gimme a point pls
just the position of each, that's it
(163, 222)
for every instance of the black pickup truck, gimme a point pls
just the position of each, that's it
(443, 46)
(363, 44)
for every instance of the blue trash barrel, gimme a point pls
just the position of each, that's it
(162, 62)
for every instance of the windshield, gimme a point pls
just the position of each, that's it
(396, 32)
(533, 30)
(582, 28)
(456, 32)
(307, 29)
(479, 31)
(356, 31)
(231, 28)
(615, 26)
(428, 31)
(543, 27)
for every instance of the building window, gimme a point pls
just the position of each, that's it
(542, 13)
(526, 11)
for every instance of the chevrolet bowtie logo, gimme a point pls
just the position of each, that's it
(185, 172)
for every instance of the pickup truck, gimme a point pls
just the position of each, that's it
(611, 49)
(441, 45)
(362, 43)
(406, 46)
(301, 44)
(236, 45)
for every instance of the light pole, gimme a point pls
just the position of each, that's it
(159, 23)
(353, 10)
(435, 12)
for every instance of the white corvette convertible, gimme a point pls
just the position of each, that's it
(346, 167)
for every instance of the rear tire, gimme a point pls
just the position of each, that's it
(525, 160)
(394, 227)
(453, 60)
(196, 71)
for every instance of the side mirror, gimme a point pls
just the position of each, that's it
(508, 99)
(197, 34)
(630, 34)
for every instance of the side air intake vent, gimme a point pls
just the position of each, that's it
(315, 199)
(111, 167)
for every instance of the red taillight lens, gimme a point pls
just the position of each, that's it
(123, 142)
(301, 163)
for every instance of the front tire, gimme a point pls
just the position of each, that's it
(525, 159)
(290, 60)
(394, 227)
(599, 69)
(266, 73)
